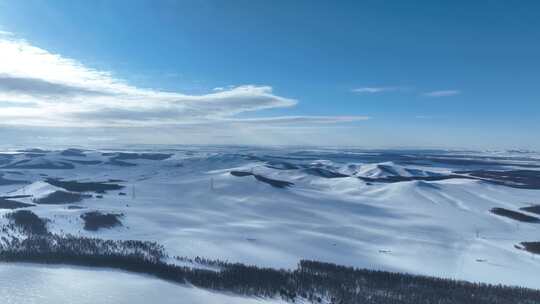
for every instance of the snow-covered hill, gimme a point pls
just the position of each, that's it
(386, 169)
(402, 211)
(63, 284)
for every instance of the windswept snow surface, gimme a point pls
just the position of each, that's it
(188, 201)
(34, 284)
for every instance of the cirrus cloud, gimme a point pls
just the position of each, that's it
(442, 93)
(375, 90)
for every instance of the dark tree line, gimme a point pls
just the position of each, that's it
(311, 280)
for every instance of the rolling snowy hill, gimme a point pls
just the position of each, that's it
(421, 212)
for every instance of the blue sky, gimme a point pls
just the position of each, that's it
(456, 74)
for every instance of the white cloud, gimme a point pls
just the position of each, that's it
(442, 93)
(5, 33)
(64, 91)
(39, 88)
(374, 90)
(299, 120)
(384, 89)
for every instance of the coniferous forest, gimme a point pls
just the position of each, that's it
(25, 240)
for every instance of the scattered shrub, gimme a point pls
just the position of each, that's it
(532, 209)
(533, 247)
(272, 182)
(75, 186)
(518, 216)
(28, 222)
(61, 197)
(95, 220)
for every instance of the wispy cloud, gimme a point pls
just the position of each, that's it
(385, 89)
(423, 117)
(442, 93)
(39, 88)
(300, 119)
(374, 90)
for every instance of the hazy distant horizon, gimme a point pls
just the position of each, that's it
(163, 147)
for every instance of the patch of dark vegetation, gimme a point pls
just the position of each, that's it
(324, 173)
(11, 204)
(75, 186)
(73, 153)
(241, 173)
(119, 163)
(51, 248)
(42, 164)
(84, 162)
(61, 197)
(523, 179)
(518, 216)
(75, 207)
(532, 209)
(145, 156)
(115, 180)
(532, 247)
(272, 182)
(311, 280)
(28, 222)
(95, 220)
(122, 193)
(119, 158)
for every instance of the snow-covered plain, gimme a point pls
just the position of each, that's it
(192, 204)
(33, 284)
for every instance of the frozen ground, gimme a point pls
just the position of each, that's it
(393, 210)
